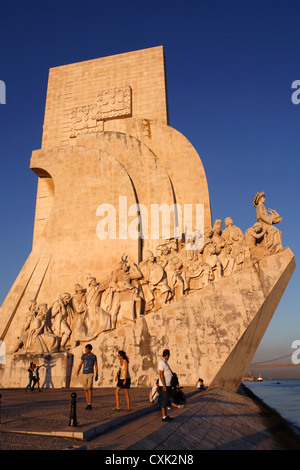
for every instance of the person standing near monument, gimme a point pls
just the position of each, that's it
(123, 378)
(89, 362)
(165, 378)
(30, 370)
(36, 376)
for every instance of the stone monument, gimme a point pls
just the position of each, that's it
(125, 254)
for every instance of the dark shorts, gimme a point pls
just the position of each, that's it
(164, 397)
(120, 383)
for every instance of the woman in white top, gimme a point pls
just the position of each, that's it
(123, 380)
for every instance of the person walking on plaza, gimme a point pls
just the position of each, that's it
(165, 378)
(89, 362)
(30, 371)
(36, 377)
(123, 380)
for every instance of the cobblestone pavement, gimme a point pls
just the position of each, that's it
(48, 411)
(213, 419)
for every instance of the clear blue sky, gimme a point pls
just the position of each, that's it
(230, 66)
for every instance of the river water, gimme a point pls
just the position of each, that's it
(283, 395)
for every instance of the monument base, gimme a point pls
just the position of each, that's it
(55, 370)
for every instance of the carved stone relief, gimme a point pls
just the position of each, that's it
(111, 104)
(268, 218)
(133, 290)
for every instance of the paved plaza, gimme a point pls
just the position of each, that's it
(210, 420)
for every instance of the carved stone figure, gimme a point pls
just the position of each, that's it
(61, 318)
(123, 293)
(154, 278)
(40, 338)
(234, 238)
(198, 275)
(268, 218)
(217, 237)
(222, 249)
(195, 273)
(95, 319)
(93, 300)
(173, 265)
(254, 237)
(227, 260)
(22, 339)
(78, 303)
(210, 253)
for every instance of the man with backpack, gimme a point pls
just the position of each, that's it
(165, 380)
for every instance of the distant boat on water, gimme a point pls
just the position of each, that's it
(252, 378)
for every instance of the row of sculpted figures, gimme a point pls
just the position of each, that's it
(179, 268)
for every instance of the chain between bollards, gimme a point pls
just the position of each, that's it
(73, 413)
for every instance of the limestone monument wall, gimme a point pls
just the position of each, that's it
(125, 255)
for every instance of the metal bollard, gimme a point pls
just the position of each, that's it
(73, 414)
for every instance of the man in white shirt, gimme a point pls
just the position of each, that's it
(165, 377)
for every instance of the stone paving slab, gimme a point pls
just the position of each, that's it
(213, 420)
(48, 412)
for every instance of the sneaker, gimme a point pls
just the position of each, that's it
(180, 406)
(89, 407)
(167, 418)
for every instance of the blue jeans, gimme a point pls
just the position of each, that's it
(30, 382)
